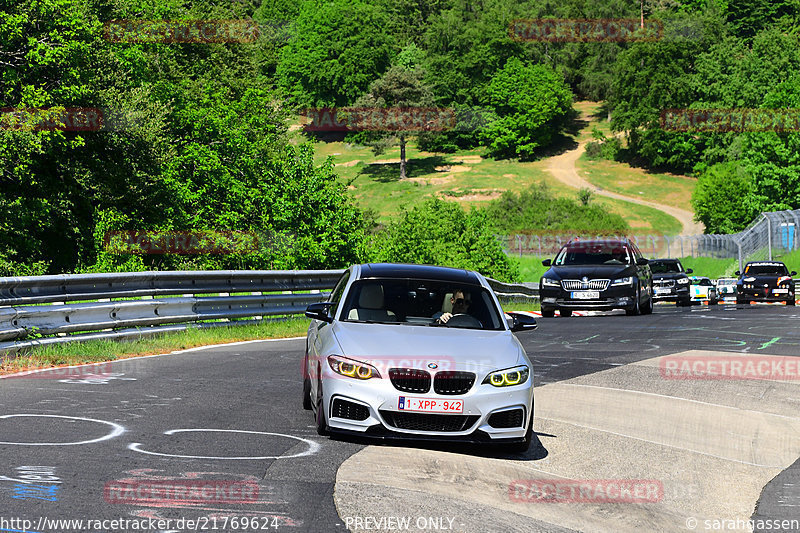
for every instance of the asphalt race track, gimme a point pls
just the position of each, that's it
(230, 417)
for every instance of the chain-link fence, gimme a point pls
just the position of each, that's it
(771, 236)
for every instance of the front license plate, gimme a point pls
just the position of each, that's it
(780, 291)
(662, 291)
(585, 295)
(430, 405)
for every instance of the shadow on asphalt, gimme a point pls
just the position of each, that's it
(536, 452)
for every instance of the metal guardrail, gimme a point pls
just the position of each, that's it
(153, 302)
(136, 304)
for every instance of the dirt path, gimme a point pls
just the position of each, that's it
(562, 167)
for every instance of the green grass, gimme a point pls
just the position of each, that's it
(671, 190)
(711, 267)
(108, 350)
(470, 178)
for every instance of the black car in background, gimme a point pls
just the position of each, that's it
(670, 281)
(765, 281)
(597, 275)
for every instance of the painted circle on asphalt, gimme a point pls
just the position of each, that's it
(313, 447)
(116, 430)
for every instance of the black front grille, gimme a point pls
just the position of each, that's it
(453, 382)
(410, 379)
(428, 422)
(507, 419)
(349, 410)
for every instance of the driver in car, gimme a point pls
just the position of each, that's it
(460, 303)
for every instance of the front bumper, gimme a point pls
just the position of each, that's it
(622, 297)
(671, 294)
(378, 400)
(767, 294)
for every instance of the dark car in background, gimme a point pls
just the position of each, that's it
(597, 275)
(670, 281)
(765, 281)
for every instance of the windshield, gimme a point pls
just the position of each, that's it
(421, 303)
(663, 267)
(593, 254)
(767, 269)
(703, 282)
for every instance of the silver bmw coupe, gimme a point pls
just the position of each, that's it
(420, 352)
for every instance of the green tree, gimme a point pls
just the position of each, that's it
(441, 233)
(404, 90)
(531, 104)
(335, 50)
(721, 199)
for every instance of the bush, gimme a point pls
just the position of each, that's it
(441, 233)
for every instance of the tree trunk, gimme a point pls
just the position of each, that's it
(402, 157)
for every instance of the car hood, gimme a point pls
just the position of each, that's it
(387, 346)
(590, 271)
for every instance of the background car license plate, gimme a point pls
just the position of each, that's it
(780, 291)
(662, 291)
(585, 295)
(430, 405)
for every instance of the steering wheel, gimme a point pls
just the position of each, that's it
(464, 320)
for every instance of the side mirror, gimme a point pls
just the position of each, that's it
(689, 271)
(546, 262)
(642, 262)
(793, 273)
(738, 273)
(320, 311)
(522, 321)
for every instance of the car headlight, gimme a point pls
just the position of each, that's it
(683, 281)
(547, 282)
(352, 369)
(749, 279)
(623, 281)
(509, 377)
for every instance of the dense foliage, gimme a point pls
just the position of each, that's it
(441, 233)
(205, 143)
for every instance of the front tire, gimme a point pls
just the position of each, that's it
(635, 310)
(307, 394)
(548, 312)
(565, 312)
(791, 302)
(322, 422)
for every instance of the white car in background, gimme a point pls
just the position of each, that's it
(385, 357)
(726, 287)
(702, 289)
